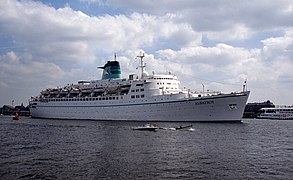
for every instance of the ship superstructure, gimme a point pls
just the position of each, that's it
(144, 97)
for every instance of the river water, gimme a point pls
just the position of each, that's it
(71, 149)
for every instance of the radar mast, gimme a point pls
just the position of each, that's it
(142, 64)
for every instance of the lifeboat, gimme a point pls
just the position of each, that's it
(45, 92)
(64, 91)
(75, 91)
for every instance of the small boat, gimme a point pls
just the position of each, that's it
(183, 127)
(166, 128)
(146, 127)
(16, 117)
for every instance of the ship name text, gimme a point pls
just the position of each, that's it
(204, 102)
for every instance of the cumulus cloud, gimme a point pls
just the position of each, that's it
(233, 19)
(275, 46)
(277, 56)
(204, 62)
(16, 68)
(54, 46)
(45, 31)
(65, 35)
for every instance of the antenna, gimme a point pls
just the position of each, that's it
(142, 64)
(245, 85)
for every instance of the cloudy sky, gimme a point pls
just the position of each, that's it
(49, 43)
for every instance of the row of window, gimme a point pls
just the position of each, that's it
(137, 96)
(279, 110)
(170, 88)
(164, 78)
(137, 90)
(85, 99)
(158, 83)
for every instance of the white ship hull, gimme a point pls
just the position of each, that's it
(225, 107)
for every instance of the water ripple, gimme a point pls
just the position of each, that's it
(58, 149)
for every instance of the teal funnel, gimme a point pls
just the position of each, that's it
(111, 70)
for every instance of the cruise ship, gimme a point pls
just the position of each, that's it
(140, 97)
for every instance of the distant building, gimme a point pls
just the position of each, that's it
(22, 110)
(252, 109)
(10, 110)
(7, 110)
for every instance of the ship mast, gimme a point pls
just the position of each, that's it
(142, 64)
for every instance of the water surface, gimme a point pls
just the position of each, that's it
(71, 149)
